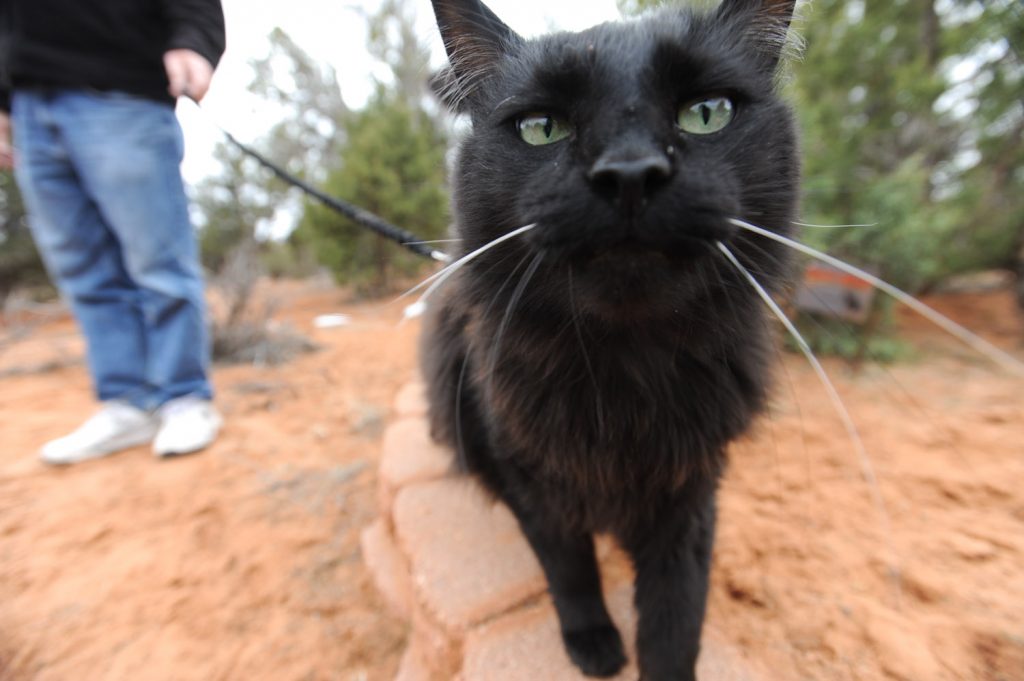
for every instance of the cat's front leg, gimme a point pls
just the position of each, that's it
(672, 555)
(567, 558)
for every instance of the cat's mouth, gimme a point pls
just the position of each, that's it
(635, 278)
(632, 250)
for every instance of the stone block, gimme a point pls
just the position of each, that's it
(413, 666)
(468, 558)
(431, 654)
(411, 400)
(408, 455)
(388, 567)
(527, 646)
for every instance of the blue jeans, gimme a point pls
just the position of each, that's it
(100, 178)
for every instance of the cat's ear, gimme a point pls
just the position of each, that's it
(765, 24)
(475, 40)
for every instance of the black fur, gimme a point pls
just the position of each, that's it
(591, 372)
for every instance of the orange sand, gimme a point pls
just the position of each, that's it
(243, 562)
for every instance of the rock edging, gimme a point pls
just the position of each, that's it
(452, 562)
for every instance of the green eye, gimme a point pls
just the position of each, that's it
(538, 129)
(705, 116)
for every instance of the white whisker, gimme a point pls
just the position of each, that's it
(809, 224)
(460, 448)
(867, 469)
(460, 445)
(438, 278)
(439, 256)
(575, 317)
(517, 294)
(970, 339)
(423, 283)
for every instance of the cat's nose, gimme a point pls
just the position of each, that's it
(630, 181)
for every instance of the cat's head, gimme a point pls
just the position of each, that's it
(629, 144)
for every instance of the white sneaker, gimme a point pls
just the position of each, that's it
(188, 424)
(116, 426)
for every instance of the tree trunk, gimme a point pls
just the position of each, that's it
(930, 29)
(1020, 276)
(381, 261)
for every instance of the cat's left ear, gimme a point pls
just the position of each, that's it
(765, 24)
(475, 40)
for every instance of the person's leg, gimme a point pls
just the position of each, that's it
(127, 152)
(81, 253)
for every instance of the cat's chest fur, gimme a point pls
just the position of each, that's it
(580, 408)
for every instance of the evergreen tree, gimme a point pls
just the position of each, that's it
(232, 204)
(20, 264)
(311, 132)
(393, 164)
(393, 41)
(912, 120)
(306, 142)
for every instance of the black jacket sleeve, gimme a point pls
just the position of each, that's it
(196, 25)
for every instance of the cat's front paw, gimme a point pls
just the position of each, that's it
(596, 651)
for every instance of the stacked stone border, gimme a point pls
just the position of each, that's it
(451, 561)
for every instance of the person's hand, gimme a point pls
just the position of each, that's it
(188, 73)
(6, 151)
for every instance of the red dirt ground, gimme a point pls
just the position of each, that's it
(243, 562)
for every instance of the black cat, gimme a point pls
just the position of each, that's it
(591, 371)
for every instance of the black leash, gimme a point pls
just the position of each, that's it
(358, 215)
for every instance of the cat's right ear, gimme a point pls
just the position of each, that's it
(475, 40)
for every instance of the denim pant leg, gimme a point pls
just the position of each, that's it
(81, 254)
(126, 152)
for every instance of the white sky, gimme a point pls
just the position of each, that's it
(333, 32)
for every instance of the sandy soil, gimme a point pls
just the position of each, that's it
(243, 562)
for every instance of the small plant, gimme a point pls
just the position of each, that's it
(244, 330)
(831, 337)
